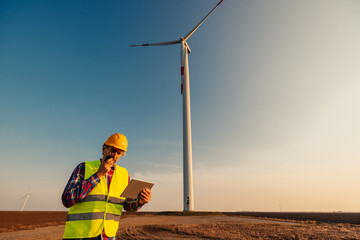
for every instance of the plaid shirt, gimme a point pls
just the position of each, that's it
(77, 189)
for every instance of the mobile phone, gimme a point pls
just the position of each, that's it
(107, 158)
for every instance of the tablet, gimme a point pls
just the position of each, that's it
(134, 188)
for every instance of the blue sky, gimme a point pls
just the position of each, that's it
(274, 100)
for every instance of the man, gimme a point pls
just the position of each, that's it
(93, 194)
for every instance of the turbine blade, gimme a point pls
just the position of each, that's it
(23, 197)
(24, 203)
(157, 44)
(197, 26)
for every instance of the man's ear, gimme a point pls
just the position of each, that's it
(103, 148)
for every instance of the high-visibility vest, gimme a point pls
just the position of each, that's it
(100, 209)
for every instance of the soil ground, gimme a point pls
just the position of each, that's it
(153, 226)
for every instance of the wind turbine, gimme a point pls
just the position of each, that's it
(26, 199)
(185, 91)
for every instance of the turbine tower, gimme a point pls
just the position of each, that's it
(26, 199)
(185, 91)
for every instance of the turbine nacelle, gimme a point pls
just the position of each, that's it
(186, 45)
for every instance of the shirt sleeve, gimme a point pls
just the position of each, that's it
(132, 205)
(77, 188)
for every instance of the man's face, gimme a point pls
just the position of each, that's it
(113, 153)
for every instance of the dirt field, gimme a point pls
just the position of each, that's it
(15, 221)
(329, 217)
(50, 225)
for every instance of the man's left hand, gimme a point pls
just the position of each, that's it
(144, 196)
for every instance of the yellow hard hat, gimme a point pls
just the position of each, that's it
(118, 141)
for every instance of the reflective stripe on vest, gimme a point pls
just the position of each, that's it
(100, 210)
(114, 200)
(92, 216)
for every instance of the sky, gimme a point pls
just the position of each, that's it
(274, 100)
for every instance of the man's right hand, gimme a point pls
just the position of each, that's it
(105, 167)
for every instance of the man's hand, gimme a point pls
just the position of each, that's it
(105, 167)
(144, 196)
